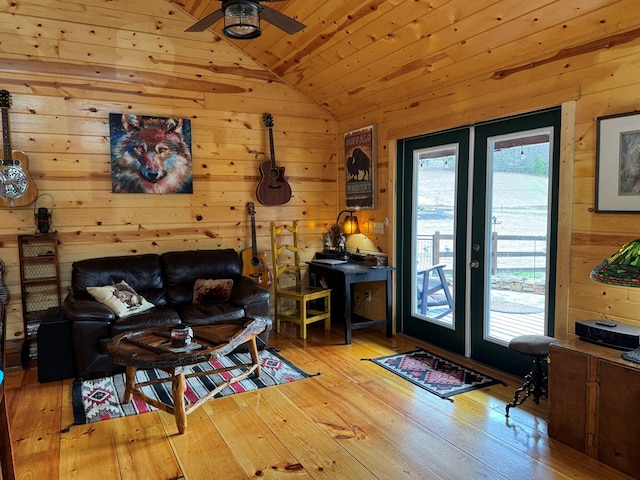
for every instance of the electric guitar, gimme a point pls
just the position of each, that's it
(16, 186)
(254, 264)
(273, 188)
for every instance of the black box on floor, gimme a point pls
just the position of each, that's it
(55, 347)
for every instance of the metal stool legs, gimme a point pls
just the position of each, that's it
(534, 382)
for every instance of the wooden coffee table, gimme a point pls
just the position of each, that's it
(148, 349)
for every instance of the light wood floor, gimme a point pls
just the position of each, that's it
(354, 421)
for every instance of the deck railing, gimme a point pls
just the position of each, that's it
(510, 253)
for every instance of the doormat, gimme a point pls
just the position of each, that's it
(100, 399)
(435, 374)
(504, 306)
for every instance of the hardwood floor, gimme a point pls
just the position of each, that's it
(354, 421)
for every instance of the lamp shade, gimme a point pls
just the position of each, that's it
(350, 225)
(621, 268)
(242, 20)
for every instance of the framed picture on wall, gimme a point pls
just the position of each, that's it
(360, 163)
(150, 154)
(618, 163)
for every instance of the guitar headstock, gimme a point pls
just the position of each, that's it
(268, 120)
(5, 99)
(251, 207)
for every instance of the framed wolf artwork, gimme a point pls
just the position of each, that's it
(150, 154)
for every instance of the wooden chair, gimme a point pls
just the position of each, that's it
(433, 291)
(295, 302)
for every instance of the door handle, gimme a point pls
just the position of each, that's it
(474, 264)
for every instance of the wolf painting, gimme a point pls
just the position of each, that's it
(150, 155)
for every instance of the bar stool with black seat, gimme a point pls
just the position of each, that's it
(536, 346)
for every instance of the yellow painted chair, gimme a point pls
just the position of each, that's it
(292, 299)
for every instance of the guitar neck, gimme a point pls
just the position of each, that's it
(6, 141)
(272, 148)
(254, 247)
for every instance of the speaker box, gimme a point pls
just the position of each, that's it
(609, 333)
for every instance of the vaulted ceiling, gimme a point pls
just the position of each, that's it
(358, 56)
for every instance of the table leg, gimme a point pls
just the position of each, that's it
(255, 359)
(347, 311)
(130, 382)
(389, 304)
(179, 385)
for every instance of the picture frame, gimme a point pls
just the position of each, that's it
(150, 154)
(618, 163)
(360, 167)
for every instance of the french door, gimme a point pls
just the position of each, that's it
(477, 209)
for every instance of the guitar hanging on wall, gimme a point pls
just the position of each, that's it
(273, 188)
(254, 264)
(16, 185)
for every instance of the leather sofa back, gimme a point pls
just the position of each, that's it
(143, 272)
(182, 269)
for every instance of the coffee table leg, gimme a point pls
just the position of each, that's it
(130, 382)
(178, 387)
(255, 359)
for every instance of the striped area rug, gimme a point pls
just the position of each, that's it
(100, 399)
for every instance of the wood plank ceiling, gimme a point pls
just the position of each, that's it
(357, 57)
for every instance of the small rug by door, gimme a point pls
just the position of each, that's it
(435, 374)
(504, 306)
(100, 399)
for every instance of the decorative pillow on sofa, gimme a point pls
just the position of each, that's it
(121, 298)
(212, 291)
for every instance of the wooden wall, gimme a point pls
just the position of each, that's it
(68, 64)
(588, 82)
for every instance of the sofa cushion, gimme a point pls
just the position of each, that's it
(143, 272)
(212, 290)
(182, 269)
(120, 298)
(155, 317)
(207, 313)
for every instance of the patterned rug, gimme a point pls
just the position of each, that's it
(99, 399)
(433, 373)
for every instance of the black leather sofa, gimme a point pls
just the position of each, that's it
(167, 281)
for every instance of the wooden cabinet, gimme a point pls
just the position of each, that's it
(594, 397)
(40, 282)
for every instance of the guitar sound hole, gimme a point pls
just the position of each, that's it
(255, 261)
(274, 173)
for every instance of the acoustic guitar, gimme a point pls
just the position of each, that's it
(254, 264)
(16, 186)
(273, 188)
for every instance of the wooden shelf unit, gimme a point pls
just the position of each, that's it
(594, 396)
(40, 283)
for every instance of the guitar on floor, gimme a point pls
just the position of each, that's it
(17, 188)
(273, 188)
(254, 264)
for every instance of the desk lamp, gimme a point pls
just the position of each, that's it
(623, 269)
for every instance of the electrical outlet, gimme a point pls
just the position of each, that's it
(367, 295)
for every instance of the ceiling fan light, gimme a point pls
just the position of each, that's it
(242, 20)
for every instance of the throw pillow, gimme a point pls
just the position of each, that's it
(121, 298)
(212, 291)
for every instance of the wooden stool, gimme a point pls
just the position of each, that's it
(536, 346)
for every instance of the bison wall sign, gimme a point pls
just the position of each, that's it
(360, 161)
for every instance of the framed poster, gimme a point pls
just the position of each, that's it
(618, 163)
(360, 163)
(150, 154)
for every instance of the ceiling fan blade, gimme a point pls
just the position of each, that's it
(206, 22)
(280, 20)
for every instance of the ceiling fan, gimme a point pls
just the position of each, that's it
(242, 19)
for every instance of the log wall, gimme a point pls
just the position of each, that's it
(68, 64)
(596, 80)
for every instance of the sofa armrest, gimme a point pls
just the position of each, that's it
(78, 308)
(245, 292)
